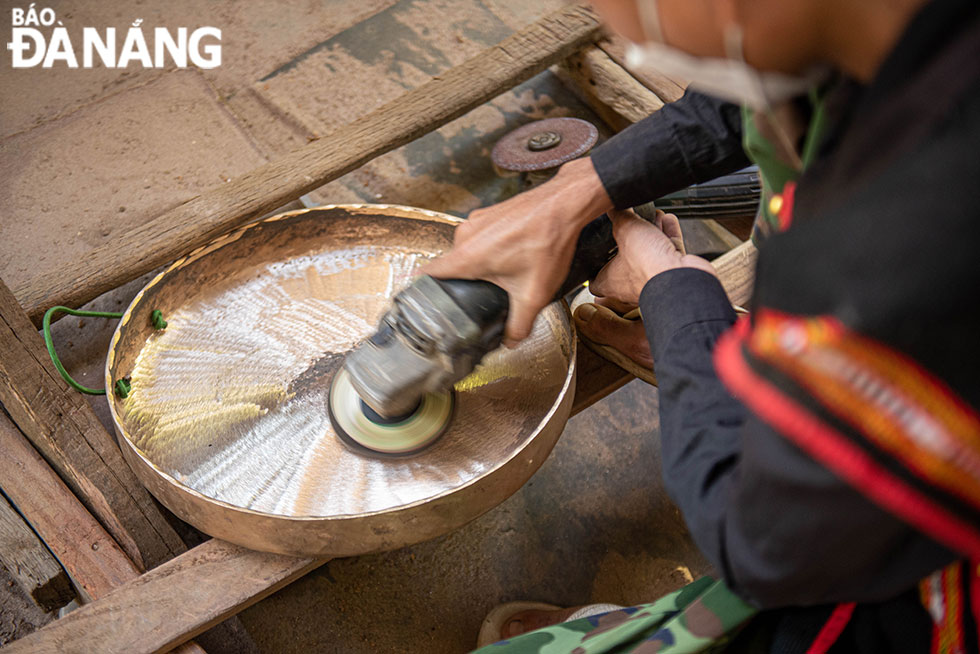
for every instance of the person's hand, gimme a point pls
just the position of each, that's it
(525, 244)
(645, 251)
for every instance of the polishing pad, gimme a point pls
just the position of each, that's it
(365, 432)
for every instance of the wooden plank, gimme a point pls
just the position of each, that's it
(87, 552)
(19, 614)
(666, 88)
(609, 90)
(741, 226)
(199, 220)
(30, 563)
(736, 270)
(62, 426)
(596, 378)
(721, 233)
(175, 601)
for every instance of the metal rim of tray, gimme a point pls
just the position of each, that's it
(337, 535)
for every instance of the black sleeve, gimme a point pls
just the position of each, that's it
(781, 528)
(692, 140)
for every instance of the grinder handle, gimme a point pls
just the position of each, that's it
(484, 302)
(487, 304)
(595, 248)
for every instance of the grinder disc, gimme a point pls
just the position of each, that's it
(403, 437)
(544, 144)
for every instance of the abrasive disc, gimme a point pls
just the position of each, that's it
(544, 144)
(404, 437)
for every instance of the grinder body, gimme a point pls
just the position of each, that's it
(438, 330)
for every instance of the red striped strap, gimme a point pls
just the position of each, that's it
(832, 628)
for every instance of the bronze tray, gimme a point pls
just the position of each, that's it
(227, 425)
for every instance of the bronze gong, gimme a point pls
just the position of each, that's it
(227, 425)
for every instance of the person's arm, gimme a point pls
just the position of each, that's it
(780, 527)
(690, 141)
(525, 243)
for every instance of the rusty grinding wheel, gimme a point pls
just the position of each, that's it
(544, 145)
(227, 422)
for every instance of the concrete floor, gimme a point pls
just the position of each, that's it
(88, 154)
(593, 525)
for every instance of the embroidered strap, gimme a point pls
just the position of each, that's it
(887, 426)
(942, 596)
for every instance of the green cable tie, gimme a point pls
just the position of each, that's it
(122, 386)
(156, 319)
(46, 328)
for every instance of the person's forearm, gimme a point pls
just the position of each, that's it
(684, 312)
(692, 140)
(579, 191)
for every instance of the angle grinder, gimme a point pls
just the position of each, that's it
(394, 395)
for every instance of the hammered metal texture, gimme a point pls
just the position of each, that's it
(228, 419)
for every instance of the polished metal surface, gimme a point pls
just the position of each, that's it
(227, 420)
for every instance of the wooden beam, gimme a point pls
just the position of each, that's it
(89, 554)
(86, 551)
(736, 270)
(30, 563)
(741, 226)
(595, 379)
(196, 222)
(62, 426)
(173, 602)
(609, 90)
(720, 233)
(666, 88)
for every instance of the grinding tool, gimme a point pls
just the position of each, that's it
(393, 397)
(437, 331)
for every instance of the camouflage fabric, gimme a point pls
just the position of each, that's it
(701, 617)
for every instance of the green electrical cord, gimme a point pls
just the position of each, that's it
(122, 386)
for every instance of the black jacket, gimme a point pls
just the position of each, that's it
(783, 529)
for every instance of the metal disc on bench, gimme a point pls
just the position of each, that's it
(227, 422)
